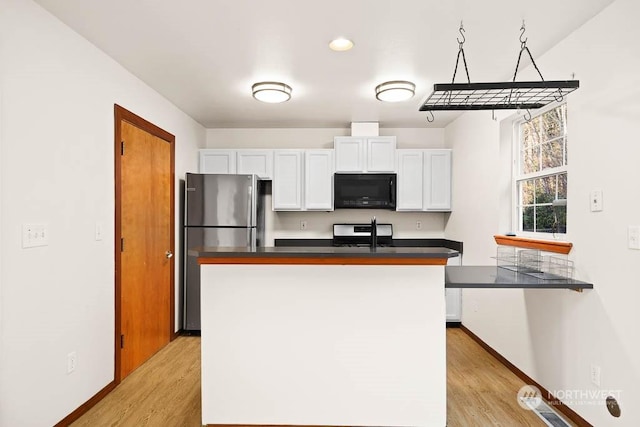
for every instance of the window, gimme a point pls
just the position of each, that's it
(541, 174)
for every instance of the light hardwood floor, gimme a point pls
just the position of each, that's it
(165, 391)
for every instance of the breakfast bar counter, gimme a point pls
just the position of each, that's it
(323, 336)
(478, 277)
(324, 255)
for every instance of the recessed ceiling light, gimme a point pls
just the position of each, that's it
(271, 92)
(340, 44)
(395, 91)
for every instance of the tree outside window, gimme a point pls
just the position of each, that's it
(541, 179)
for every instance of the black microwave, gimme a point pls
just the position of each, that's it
(364, 190)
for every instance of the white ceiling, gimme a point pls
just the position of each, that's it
(204, 55)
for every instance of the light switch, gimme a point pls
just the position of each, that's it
(596, 201)
(99, 230)
(35, 235)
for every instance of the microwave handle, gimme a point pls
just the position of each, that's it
(392, 193)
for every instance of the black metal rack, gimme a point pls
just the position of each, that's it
(498, 95)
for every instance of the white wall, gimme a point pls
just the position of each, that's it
(2, 361)
(555, 335)
(315, 137)
(57, 164)
(287, 224)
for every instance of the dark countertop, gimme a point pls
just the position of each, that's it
(331, 251)
(496, 277)
(400, 243)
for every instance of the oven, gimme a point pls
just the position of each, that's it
(360, 234)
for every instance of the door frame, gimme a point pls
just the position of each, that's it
(122, 114)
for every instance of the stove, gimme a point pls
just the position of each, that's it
(359, 235)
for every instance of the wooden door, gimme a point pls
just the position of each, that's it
(146, 229)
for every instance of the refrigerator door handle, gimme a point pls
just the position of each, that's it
(251, 205)
(251, 241)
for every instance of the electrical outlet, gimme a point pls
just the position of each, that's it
(595, 374)
(303, 225)
(596, 201)
(72, 362)
(633, 237)
(418, 225)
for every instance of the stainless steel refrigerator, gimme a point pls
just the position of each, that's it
(220, 210)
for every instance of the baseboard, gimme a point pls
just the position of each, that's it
(454, 324)
(82, 409)
(546, 395)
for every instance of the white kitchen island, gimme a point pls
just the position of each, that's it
(303, 337)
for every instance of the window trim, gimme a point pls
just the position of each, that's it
(517, 177)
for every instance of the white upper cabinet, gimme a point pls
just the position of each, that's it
(259, 162)
(287, 180)
(365, 154)
(424, 180)
(217, 161)
(318, 180)
(410, 180)
(381, 154)
(350, 154)
(437, 182)
(303, 179)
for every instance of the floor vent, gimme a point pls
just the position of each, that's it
(545, 412)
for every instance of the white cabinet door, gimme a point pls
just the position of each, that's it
(217, 161)
(350, 154)
(453, 298)
(365, 154)
(287, 180)
(318, 180)
(259, 162)
(410, 180)
(437, 182)
(381, 154)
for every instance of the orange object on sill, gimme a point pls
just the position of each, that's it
(543, 245)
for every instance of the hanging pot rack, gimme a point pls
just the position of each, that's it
(497, 95)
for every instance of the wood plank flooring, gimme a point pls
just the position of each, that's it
(165, 391)
(481, 391)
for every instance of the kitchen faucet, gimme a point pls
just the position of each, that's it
(374, 234)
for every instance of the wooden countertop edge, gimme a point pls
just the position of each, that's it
(321, 261)
(543, 245)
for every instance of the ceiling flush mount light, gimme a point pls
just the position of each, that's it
(271, 92)
(395, 91)
(340, 44)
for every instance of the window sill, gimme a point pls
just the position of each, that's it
(543, 245)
